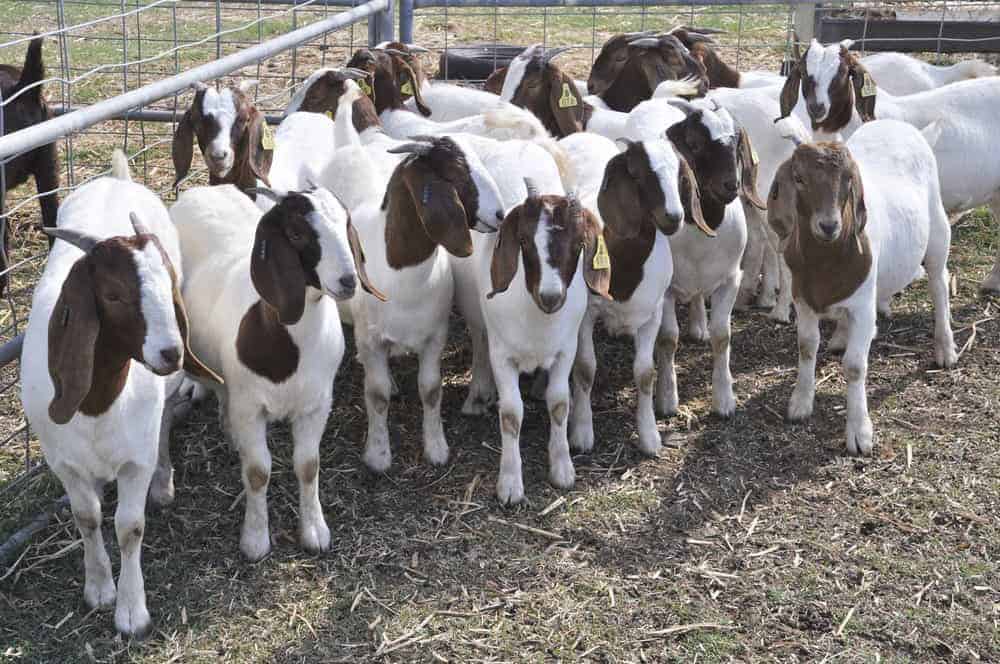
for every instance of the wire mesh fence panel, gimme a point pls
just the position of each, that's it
(98, 50)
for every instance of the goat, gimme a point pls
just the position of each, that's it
(321, 91)
(22, 105)
(856, 221)
(720, 74)
(233, 135)
(900, 74)
(255, 288)
(435, 196)
(829, 89)
(532, 317)
(720, 156)
(636, 196)
(631, 65)
(107, 327)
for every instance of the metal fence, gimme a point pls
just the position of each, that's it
(118, 74)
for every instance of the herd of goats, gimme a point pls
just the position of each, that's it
(536, 207)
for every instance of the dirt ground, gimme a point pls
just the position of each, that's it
(748, 539)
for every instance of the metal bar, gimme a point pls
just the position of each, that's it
(380, 25)
(145, 115)
(406, 21)
(46, 132)
(420, 4)
(11, 350)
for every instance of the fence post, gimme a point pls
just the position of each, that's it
(380, 25)
(805, 21)
(406, 21)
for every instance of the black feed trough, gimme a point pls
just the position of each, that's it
(475, 62)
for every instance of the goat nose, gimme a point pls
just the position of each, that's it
(550, 301)
(816, 109)
(171, 356)
(828, 229)
(731, 186)
(218, 155)
(347, 282)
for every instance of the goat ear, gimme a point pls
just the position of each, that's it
(855, 205)
(618, 199)
(33, 71)
(418, 97)
(864, 89)
(359, 261)
(690, 198)
(566, 105)
(182, 148)
(192, 364)
(73, 330)
(596, 262)
(790, 91)
(503, 265)
(781, 202)
(494, 83)
(259, 155)
(749, 161)
(276, 272)
(439, 209)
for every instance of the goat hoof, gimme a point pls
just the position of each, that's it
(562, 475)
(99, 596)
(945, 355)
(800, 407)
(581, 439)
(436, 451)
(510, 488)
(650, 443)
(667, 406)
(133, 623)
(255, 545)
(378, 458)
(724, 405)
(314, 537)
(860, 437)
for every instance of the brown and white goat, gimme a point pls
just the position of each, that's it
(321, 92)
(856, 221)
(233, 136)
(394, 77)
(22, 105)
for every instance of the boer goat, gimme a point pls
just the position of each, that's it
(533, 314)
(22, 104)
(106, 335)
(321, 92)
(257, 289)
(233, 136)
(856, 221)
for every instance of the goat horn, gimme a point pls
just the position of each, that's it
(636, 35)
(83, 241)
(417, 49)
(137, 225)
(531, 51)
(645, 42)
(265, 192)
(700, 31)
(355, 73)
(627, 142)
(683, 105)
(532, 188)
(419, 149)
(553, 52)
(394, 51)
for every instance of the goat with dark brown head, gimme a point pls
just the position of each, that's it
(392, 70)
(628, 70)
(321, 92)
(23, 105)
(233, 135)
(833, 84)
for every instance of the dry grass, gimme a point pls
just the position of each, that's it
(747, 539)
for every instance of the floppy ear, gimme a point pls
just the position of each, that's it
(781, 202)
(566, 105)
(864, 89)
(494, 83)
(258, 155)
(73, 330)
(597, 277)
(182, 147)
(503, 265)
(748, 162)
(618, 199)
(790, 92)
(690, 198)
(439, 209)
(855, 204)
(277, 273)
(359, 261)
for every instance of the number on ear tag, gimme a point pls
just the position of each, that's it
(266, 137)
(868, 89)
(406, 89)
(602, 261)
(568, 99)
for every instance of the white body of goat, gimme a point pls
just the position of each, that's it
(122, 442)
(901, 74)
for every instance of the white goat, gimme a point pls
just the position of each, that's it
(106, 329)
(256, 290)
(857, 220)
(901, 74)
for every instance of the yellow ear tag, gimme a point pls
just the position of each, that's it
(868, 89)
(568, 99)
(602, 261)
(266, 136)
(365, 87)
(407, 89)
(329, 114)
